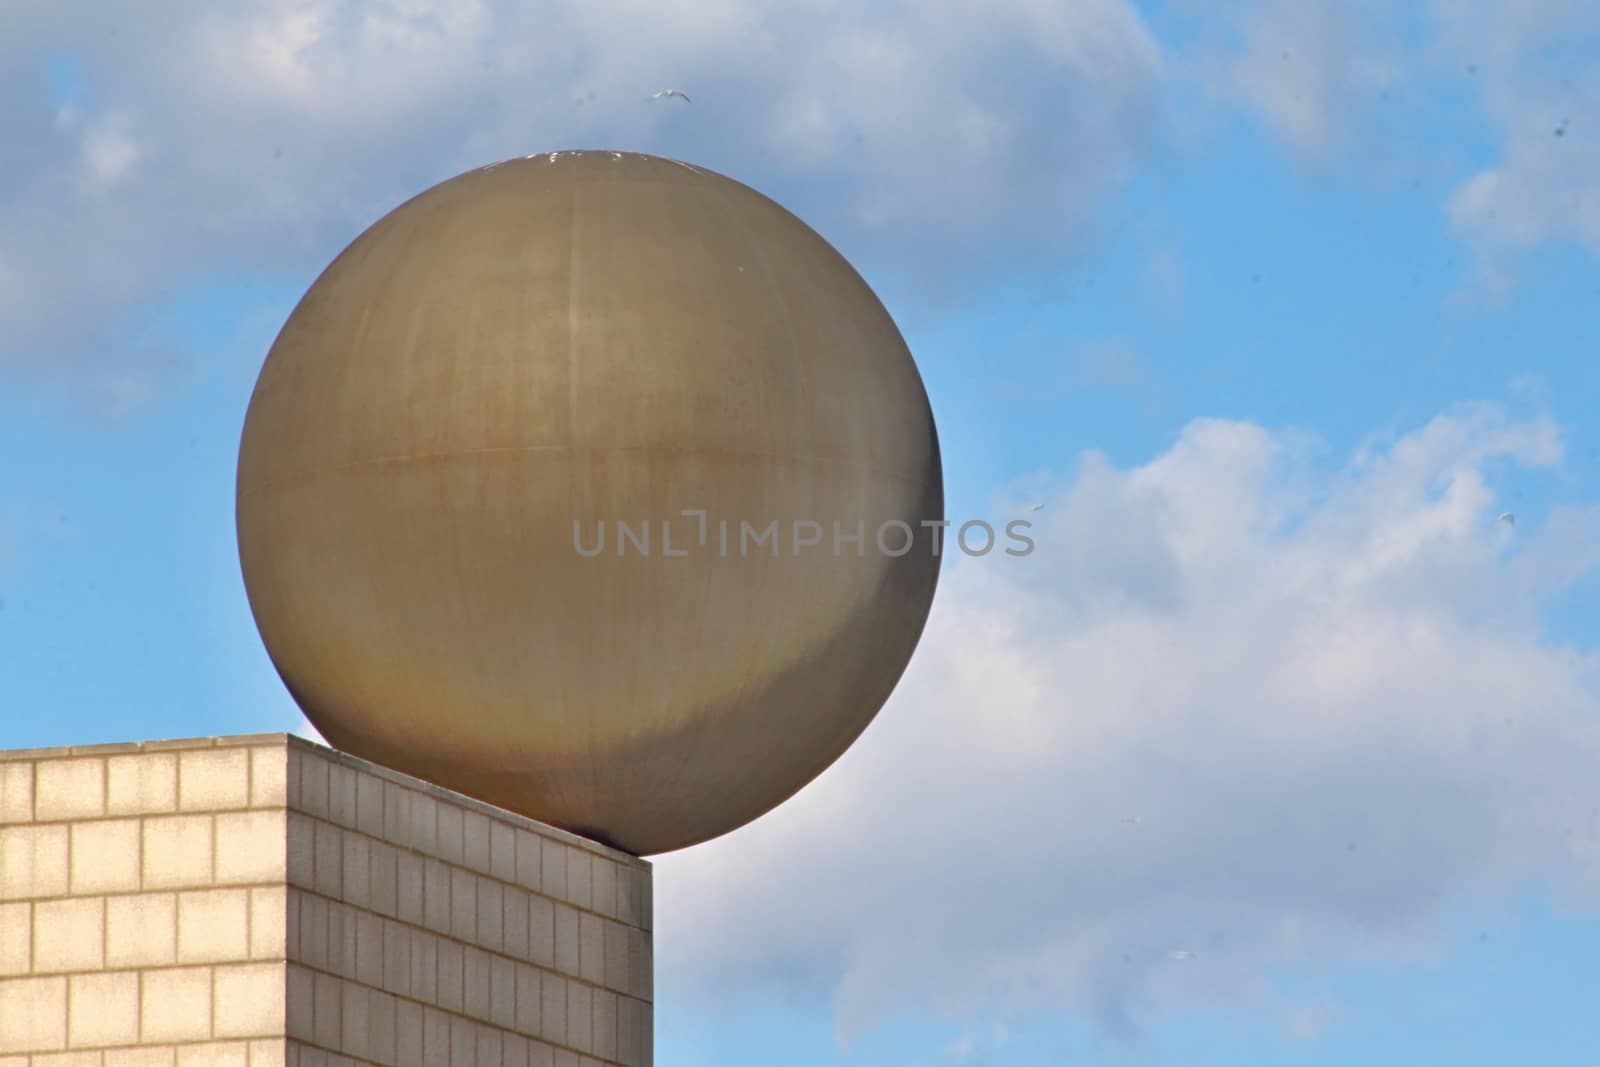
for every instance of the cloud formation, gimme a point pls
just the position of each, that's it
(1309, 68)
(262, 136)
(1534, 65)
(1235, 705)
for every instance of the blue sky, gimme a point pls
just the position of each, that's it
(1295, 300)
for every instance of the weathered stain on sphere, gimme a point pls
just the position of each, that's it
(589, 337)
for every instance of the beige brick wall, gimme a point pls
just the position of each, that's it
(261, 901)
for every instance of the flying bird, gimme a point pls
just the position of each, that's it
(1037, 507)
(1508, 518)
(667, 93)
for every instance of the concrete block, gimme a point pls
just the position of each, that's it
(16, 938)
(194, 912)
(542, 931)
(252, 847)
(149, 1056)
(16, 791)
(316, 947)
(85, 1058)
(249, 999)
(355, 1029)
(342, 939)
(553, 1008)
(435, 1037)
(105, 856)
(604, 890)
(580, 878)
(272, 1052)
(514, 922)
(641, 964)
(591, 948)
(424, 823)
(628, 1032)
(452, 975)
(381, 1022)
(503, 851)
(213, 925)
(313, 783)
(69, 789)
(616, 974)
(369, 948)
(177, 851)
(451, 833)
(215, 779)
(142, 784)
(33, 861)
(491, 915)
(215, 1054)
(301, 851)
(502, 992)
(356, 886)
(369, 804)
(175, 1005)
(529, 1005)
(300, 1001)
(436, 896)
(382, 884)
(580, 1017)
(530, 861)
(269, 782)
(103, 1009)
(327, 1011)
(142, 931)
(408, 1034)
(409, 884)
(69, 935)
(567, 956)
(33, 1014)
(463, 905)
(604, 1034)
(627, 896)
(293, 905)
(269, 923)
(490, 1047)
(396, 959)
(397, 815)
(342, 795)
(553, 878)
(475, 999)
(475, 851)
(424, 967)
(463, 1043)
(328, 875)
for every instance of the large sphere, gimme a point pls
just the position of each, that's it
(591, 337)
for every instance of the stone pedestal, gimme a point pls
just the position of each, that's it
(262, 901)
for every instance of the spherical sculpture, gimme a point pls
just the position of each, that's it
(597, 486)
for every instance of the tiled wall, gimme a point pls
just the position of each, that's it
(262, 901)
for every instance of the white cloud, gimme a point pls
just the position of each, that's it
(1307, 68)
(262, 136)
(1326, 696)
(1534, 67)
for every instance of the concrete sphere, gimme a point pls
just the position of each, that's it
(535, 351)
